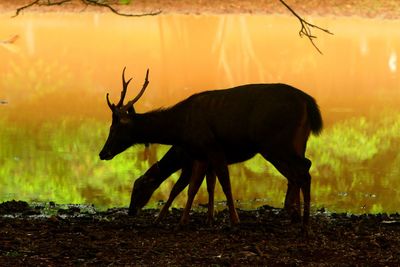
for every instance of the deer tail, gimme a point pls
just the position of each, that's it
(314, 116)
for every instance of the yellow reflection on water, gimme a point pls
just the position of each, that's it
(54, 77)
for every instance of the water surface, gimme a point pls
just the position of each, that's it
(55, 75)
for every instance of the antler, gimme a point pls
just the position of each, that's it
(124, 88)
(111, 106)
(123, 93)
(133, 101)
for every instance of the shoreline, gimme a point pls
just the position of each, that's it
(336, 8)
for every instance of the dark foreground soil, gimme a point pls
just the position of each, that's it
(77, 236)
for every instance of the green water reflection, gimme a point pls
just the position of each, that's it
(355, 166)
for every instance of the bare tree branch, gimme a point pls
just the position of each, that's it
(305, 29)
(24, 7)
(86, 3)
(96, 3)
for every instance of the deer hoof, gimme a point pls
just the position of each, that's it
(306, 233)
(132, 212)
(295, 217)
(182, 227)
(210, 222)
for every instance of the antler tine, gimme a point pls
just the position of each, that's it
(109, 103)
(124, 88)
(146, 82)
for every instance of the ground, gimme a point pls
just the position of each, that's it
(81, 236)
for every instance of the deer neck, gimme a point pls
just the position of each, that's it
(160, 127)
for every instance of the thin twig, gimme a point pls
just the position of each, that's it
(95, 3)
(49, 3)
(24, 7)
(305, 29)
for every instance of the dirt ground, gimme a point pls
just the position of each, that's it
(74, 236)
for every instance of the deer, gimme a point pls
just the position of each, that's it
(274, 120)
(175, 159)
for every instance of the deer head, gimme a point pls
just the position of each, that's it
(119, 137)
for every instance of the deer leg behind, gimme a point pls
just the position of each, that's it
(301, 179)
(182, 182)
(301, 167)
(287, 167)
(198, 171)
(292, 202)
(306, 190)
(210, 176)
(218, 164)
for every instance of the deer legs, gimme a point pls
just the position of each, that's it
(199, 169)
(182, 182)
(306, 188)
(210, 177)
(296, 170)
(218, 166)
(223, 178)
(193, 172)
(292, 202)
